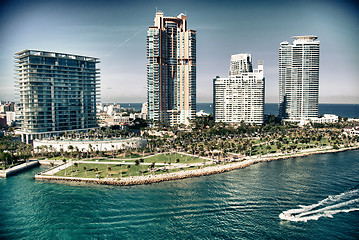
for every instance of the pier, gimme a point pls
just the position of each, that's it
(19, 168)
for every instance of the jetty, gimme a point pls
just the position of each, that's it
(18, 168)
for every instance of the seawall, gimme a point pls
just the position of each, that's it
(19, 168)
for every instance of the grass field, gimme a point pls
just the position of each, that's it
(101, 170)
(173, 158)
(160, 158)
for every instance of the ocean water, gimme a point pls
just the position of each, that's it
(343, 110)
(314, 197)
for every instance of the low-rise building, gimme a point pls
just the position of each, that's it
(89, 145)
(352, 131)
(326, 118)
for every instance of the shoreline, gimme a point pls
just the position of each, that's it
(140, 180)
(19, 168)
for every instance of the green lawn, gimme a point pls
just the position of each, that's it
(160, 158)
(173, 157)
(115, 170)
(102, 170)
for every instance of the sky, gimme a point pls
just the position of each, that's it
(115, 32)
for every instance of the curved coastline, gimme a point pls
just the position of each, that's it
(139, 180)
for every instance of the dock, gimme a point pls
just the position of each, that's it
(19, 168)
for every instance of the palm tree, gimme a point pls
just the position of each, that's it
(121, 170)
(113, 151)
(152, 166)
(137, 163)
(142, 161)
(109, 170)
(70, 148)
(64, 160)
(129, 170)
(85, 170)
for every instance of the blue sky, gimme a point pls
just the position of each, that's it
(115, 32)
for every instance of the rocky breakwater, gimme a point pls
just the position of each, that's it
(137, 180)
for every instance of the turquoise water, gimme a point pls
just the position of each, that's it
(242, 204)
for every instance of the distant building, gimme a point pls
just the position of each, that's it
(10, 118)
(352, 131)
(57, 93)
(201, 113)
(89, 145)
(241, 96)
(3, 122)
(171, 70)
(7, 107)
(299, 78)
(240, 63)
(326, 118)
(353, 119)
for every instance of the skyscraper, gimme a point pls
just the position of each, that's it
(171, 70)
(241, 96)
(57, 93)
(299, 78)
(240, 63)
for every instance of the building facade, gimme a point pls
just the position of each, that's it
(240, 97)
(89, 145)
(299, 78)
(57, 93)
(171, 70)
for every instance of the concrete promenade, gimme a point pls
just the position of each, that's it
(19, 168)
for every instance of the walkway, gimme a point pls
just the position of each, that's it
(18, 168)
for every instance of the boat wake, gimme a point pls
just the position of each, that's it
(344, 202)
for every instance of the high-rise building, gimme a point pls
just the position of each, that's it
(241, 96)
(240, 63)
(57, 93)
(299, 78)
(171, 70)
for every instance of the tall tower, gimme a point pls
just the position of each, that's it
(241, 96)
(57, 91)
(299, 78)
(171, 70)
(240, 63)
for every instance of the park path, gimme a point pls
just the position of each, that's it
(57, 169)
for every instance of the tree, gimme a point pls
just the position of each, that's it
(129, 170)
(97, 173)
(109, 170)
(142, 161)
(152, 166)
(137, 163)
(121, 170)
(64, 160)
(70, 148)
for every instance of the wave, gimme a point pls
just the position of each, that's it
(344, 202)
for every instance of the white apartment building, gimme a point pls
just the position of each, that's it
(299, 78)
(240, 97)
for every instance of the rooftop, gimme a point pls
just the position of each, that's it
(54, 54)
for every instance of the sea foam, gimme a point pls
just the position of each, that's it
(344, 202)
